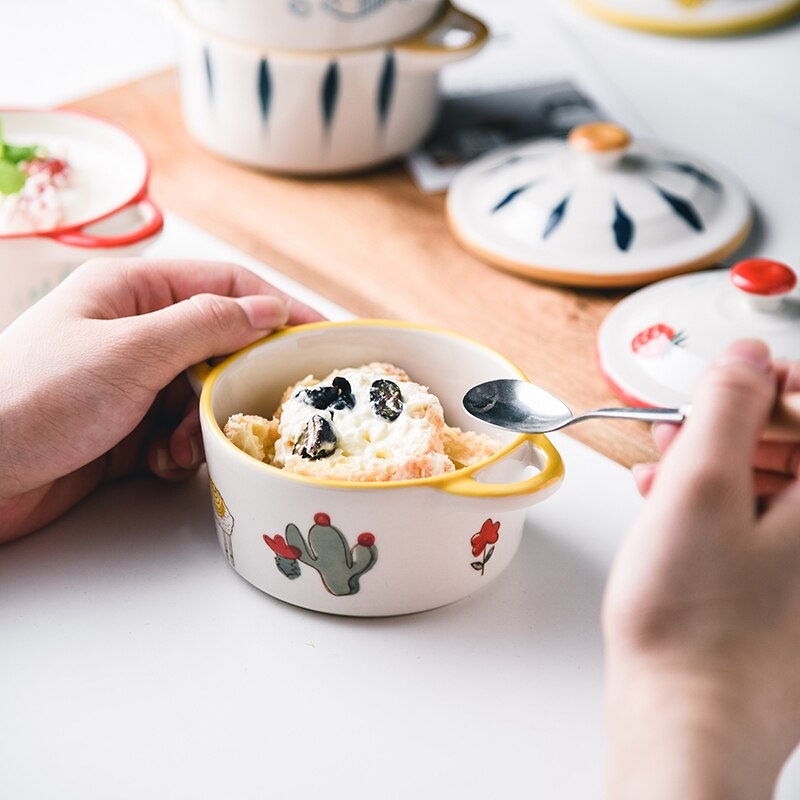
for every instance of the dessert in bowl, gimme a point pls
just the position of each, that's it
(363, 547)
(74, 188)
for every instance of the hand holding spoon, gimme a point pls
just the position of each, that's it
(520, 406)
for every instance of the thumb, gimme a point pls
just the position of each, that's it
(730, 407)
(203, 326)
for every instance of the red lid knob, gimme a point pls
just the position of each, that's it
(764, 277)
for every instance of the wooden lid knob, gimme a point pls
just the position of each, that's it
(599, 137)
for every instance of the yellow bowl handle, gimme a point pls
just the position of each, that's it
(454, 35)
(546, 480)
(197, 374)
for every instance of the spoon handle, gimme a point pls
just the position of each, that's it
(643, 414)
(784, 421)
(783, 425)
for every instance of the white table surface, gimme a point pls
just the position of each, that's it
(134, 663)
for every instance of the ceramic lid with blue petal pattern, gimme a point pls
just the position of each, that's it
(598, 209)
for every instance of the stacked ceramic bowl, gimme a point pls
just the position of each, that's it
(316, 86)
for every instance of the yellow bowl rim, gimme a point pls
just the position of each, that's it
(552, 471)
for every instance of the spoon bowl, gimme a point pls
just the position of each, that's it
(520, 406)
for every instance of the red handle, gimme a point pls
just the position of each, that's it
(154, 222)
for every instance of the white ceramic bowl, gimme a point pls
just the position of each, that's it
(369, 549)
(307, 25)
(109, 212)
(317, 113)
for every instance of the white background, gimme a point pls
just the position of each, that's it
(134, 663)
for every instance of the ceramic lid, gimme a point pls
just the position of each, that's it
(598, 209)
(692, 17)
(654, 345)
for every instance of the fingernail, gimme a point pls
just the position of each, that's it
(164, 460)
(197, 451)
(264, 312)
(748, 351)
(644, 476)
(641, 471)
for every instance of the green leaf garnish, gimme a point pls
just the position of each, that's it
(12, 178)
(14, 153)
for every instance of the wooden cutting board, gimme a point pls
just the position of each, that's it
(377, 246)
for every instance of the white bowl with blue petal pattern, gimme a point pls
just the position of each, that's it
(317, 113)
(597, 210)
(313, 25)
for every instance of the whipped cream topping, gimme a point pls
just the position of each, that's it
(38, 206)
(370, 436)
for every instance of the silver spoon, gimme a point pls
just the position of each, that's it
(524, 407)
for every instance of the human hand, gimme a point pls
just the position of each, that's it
(91, 377)
(702, 610)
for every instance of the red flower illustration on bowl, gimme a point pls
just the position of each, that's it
(481, 541)
(654, 341)
(278, 545)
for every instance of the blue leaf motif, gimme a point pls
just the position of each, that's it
(386, 88)
(264, 89)
(555, 218)
(697, 173)
(623, 227)
(683, 208)
(209, 72)
(512, 195)
(353, 9)
(330, 93)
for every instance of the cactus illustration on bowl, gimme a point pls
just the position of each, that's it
(224, 520)
(339, 565)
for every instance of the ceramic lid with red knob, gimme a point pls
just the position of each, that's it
(654, 345)
(599, 209)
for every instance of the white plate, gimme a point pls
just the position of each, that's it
(109, 167)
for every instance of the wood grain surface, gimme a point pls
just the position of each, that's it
(377, 246)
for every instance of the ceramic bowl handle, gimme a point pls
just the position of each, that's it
(196, 375)
(511, 496)
(453, 36)
(153, 223)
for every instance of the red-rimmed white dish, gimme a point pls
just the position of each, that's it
(654, 345)
(106, 212)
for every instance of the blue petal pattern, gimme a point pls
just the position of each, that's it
(209, 72)
(512, 195)
(623, 227)
(330, 94)
(556, 215)
(683, 208)
(363, 8)
(386, 88)
(264, 89)
(695, 172)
